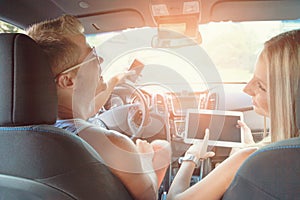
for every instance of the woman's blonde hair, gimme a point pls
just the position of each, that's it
(281, 55)
(52, 36)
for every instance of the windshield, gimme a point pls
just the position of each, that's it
(232, 47)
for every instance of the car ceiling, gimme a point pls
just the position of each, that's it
(112, 15)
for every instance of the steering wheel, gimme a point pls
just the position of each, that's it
(134, 112)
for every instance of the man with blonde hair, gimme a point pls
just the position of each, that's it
(81, 92)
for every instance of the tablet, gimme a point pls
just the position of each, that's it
(222, 127)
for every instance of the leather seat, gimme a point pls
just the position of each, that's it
(37, 160)
(273, 172)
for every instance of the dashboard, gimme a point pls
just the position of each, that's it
(165, 112)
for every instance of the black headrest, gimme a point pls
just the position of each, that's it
(27, 88)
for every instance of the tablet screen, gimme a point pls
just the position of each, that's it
(222, 126)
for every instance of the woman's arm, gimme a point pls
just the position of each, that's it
(181, 181)
(213, 185)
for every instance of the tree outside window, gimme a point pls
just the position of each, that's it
(9, 28)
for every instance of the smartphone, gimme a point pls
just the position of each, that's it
(137, 66)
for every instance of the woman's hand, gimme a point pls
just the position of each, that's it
(248, 138)
(199, 148)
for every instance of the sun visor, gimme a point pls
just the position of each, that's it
(113, 21)
(253, 10)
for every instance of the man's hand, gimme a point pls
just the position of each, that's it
(119, 78)
(145, 149)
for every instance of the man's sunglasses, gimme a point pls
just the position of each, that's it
(95, 56)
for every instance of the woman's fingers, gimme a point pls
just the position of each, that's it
(209, 155)
(199, 148)
(248, 138)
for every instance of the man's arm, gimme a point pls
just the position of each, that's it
(120, 154)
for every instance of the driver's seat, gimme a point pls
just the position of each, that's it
(37, 160)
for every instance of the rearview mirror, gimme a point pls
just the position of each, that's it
(176, 29)
(171, 39)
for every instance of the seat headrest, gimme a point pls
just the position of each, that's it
(27, 88)
(298, 106)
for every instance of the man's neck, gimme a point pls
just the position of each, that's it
(64, 112)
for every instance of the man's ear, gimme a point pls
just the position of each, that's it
(65, 81)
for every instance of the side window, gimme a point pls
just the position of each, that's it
(9, 28)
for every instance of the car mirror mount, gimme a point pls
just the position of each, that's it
(177, 23)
